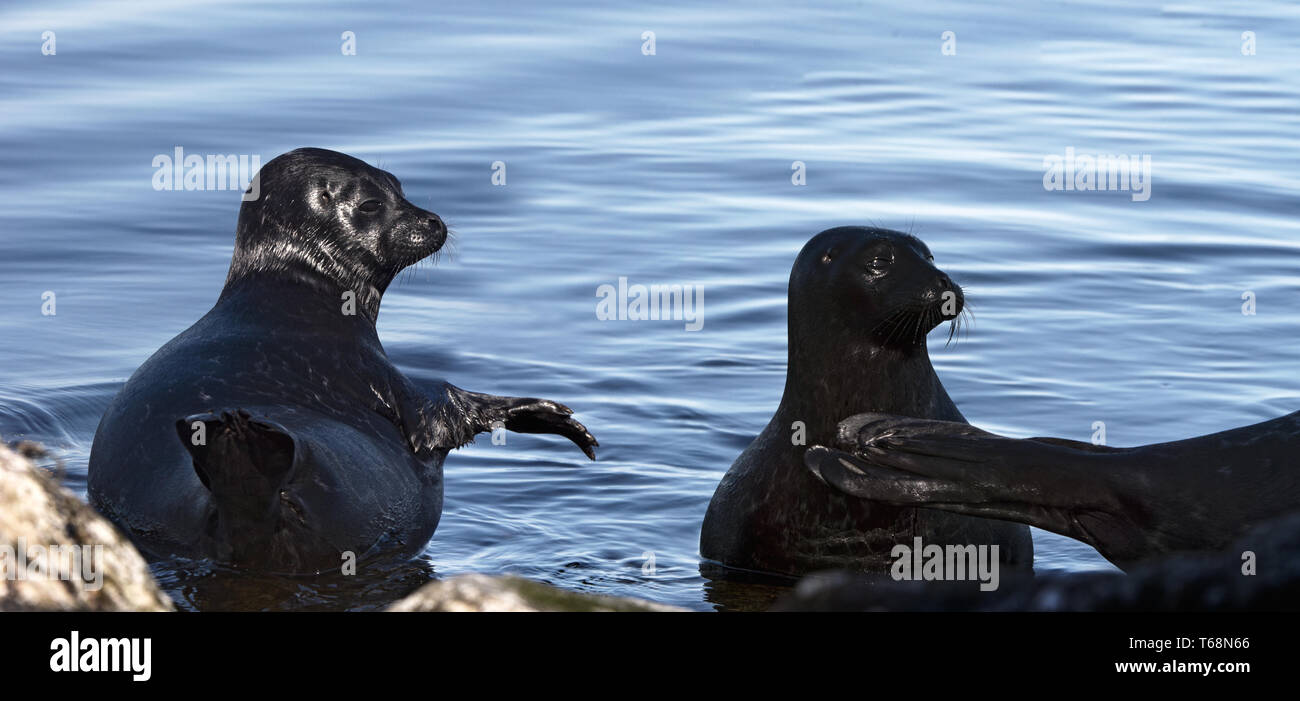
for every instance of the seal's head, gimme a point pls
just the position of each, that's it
(876, 284)
(325, 217)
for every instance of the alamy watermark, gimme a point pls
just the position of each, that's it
(638, 302)
(177, 171)
(80, 563)
(932, 563)
(1105, 172)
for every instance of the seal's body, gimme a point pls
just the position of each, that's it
(861, 302)
(1131, 504)
(275, 432)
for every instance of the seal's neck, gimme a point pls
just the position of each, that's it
(834, 373)
(342, 280)
(306, 300)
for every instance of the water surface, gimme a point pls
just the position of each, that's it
(667, 168)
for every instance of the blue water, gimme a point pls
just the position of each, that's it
(668, 168)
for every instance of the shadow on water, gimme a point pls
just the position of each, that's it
(200, 585)
(728, 589)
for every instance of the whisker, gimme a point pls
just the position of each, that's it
(961, 325)
(894, 322)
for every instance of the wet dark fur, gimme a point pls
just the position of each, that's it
(316, 445)
(861, 301)
(1131, 504)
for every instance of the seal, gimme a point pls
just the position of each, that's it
(1132, 504)
(275, 433)
(861, 301)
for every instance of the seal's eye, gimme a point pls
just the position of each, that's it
(828, 256)
(371, 206)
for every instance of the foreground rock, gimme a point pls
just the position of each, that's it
(479, 592)
(57, 554)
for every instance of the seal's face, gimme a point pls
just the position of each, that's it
(366, 208)
(325, 214)
(881, 282)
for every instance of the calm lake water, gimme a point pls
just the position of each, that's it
(674, 167)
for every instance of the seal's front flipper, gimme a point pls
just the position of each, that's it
(451, 418)
(527, 415)
(545, 416)
(874, 474)
(870, 479)
(244, 462)
(1020, 469)
(1061, 486)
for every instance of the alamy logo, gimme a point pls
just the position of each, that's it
(177, 171)
(933, 563)
(651, 303)
(1101, 172)
(69, 563)
(77, 654)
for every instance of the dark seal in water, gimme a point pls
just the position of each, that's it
(275, 433)
(861, 302)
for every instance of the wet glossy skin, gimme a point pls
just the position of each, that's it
(861, 301)
(319, 447)
(1131, 504)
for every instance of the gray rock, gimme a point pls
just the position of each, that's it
(58, 554)
(479, 592)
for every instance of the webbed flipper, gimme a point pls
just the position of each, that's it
(452, 417)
